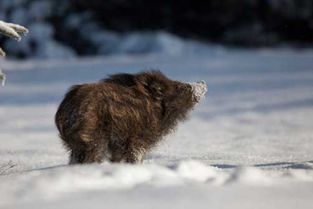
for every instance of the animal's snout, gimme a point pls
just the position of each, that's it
(203, 85)
(199, 89)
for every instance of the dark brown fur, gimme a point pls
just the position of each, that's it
(121, 117)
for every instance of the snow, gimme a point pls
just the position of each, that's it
(248, 144)
(199, 89)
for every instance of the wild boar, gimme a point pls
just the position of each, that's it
(122, 117)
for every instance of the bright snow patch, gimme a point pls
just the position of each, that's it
(56, 182)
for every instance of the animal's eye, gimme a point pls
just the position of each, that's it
(157, 87)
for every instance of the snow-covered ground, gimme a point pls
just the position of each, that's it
(249, 144)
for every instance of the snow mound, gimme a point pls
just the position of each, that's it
(251, 176)
(56, 182)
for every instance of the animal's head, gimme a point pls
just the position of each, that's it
(163, 89)
(198, 89)
(160, 89)
(173, 98)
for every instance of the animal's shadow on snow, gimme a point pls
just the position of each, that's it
(284, 165)
(47, 168)
(307, 165)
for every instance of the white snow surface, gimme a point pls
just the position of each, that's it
(248, 144)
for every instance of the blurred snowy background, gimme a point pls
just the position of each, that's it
(68, 28)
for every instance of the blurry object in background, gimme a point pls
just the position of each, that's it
(2, 53)
(236, 22)
(2, 78)
(43, 18)
(95, 27)
(13, 31)
(41, 44)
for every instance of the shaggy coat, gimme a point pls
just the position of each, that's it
(122, 117)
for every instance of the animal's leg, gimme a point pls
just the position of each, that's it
(87, 154)
(94, 154)
(117, 149)
(132, 156)
(127, 153)
(135, 155)
(77, 156)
